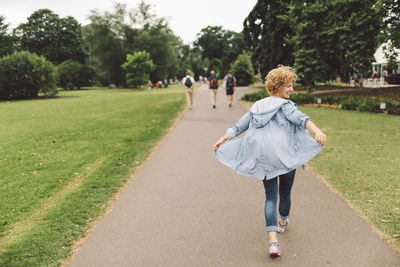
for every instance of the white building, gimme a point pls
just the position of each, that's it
(380, 64)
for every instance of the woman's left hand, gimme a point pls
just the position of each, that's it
(219, 143)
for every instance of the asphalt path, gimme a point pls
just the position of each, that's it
(184, 208)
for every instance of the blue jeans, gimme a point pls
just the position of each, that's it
(271, 192)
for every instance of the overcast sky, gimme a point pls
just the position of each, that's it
(187, 17)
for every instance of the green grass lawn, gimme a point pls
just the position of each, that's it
(361, 162)
(63, 159)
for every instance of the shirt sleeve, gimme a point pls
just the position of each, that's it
(293, 114)
(240, 126)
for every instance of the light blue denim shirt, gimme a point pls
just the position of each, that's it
(276, 142)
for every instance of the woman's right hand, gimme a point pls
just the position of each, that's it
(320, 137)
(219, 143)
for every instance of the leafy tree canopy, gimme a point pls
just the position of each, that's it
(113, 34)
(323, 39)
(242, 68)
(391, 30)
(74, 75)
(6, 40)
(138, 67)
(55, 38)
(218, 45)
(266, 32)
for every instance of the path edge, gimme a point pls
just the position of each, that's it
(111, 203)
(332, 189)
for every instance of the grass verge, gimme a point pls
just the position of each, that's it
(63, 159)
(361, 162)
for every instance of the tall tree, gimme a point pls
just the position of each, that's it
(55, 38)
(6, 40)
(333, 38)
(113, 34)
(211, 42)
(265, 32)
(219, 46)
(243, 69)
(391, 33)
(162, 45)
(105, 51)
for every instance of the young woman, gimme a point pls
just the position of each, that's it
(277, 142)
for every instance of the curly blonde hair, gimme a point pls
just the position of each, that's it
(279, 78)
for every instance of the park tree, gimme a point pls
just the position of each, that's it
(199, 66)
(74, 75)
(333, 38)
(137, 68)
(185, 59)
(113, 34)
(55, 38)
(219, 46)
(242, 68)
(235, 45)
(162, 46)
(265, 32)
(6, 40)
(105, 51)
(210, 42)
(391, 30)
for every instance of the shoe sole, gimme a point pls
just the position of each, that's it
(274, 255)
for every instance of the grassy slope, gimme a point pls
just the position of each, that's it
(62, 160)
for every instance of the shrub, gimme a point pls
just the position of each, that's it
(243, 70)
(24, 75)
(137, 67)
(369, 105)
(253, 97)
(73, 74)
(391, 107)
(351, 103)
(302, 99)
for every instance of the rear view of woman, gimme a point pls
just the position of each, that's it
(277, 142)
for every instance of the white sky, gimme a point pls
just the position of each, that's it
(187, 17)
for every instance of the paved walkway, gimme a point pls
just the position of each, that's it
(184, 208)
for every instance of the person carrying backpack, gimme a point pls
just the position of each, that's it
(188, 81)
(230, 87)
(213, 84)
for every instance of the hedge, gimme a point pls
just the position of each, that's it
(347, 103)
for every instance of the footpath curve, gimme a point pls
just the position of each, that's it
(184, 208)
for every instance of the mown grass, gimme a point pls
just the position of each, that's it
(63, 159)
(361, 162)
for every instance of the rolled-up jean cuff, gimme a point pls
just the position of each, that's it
(273, 228)
(283, 217)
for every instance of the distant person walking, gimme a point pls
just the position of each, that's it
(213, 84)
(276, 144)
(230, 87)
(188, 81)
